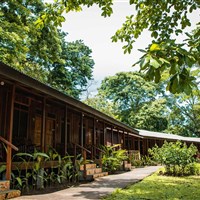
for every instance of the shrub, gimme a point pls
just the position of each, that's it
(35, 176)
(112, 158)
(176, 157)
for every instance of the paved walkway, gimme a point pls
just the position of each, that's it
(98, 188)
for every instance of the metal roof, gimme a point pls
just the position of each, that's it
(167, 136)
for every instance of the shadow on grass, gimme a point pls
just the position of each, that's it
(162, 188)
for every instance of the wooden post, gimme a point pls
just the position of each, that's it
(94, 140)
(43, 124)
(111, 135)
(104, 134)
(128, 141)
(65, 122)
(82, 129)
(139, 145)
(124, 140)
(10, 130)
(84, 161)
(118, 142)
(94, 133)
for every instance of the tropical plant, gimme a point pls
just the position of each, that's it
(112, 158)
(177, 157)
(31, 174)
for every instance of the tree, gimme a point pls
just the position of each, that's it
(100, 103)
(136, 102)
(153, 116)
(163, 19)
(184, 116)
(42, 52)
(72, 75)
(20, 41)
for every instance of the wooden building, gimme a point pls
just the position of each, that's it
(150, 138)
(34, 115)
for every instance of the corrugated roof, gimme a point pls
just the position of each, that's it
(167, 136)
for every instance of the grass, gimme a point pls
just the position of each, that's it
(157, 187)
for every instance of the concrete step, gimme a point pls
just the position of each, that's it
(127, 167)
(4, 185)
(91, 177)
(98, 175)
(9, 194)
(88, 166)
(93, 171)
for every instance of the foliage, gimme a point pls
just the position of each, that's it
(100, 103)
(144, 161)
(157, 187)
(72, 75)
(152, 116)
(21, 42)
(184, 116)
(176, 157)
(164, 20)
(126, 96)
(133, 101)
(35, 176)
(42, 52)
(113, 157)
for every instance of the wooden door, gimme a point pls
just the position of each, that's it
(37, 131)
(50, 133)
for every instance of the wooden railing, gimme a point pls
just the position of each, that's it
(8, 143)
(101, 151)
(8, 159)
(84, 154)
(135, 154)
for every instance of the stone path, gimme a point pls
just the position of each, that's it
(98, 188)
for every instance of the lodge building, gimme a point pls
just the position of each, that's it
(34, 115)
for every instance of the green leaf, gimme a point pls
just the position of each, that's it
(154, 63)
(164, 60)
(2, 168)
(144, 62)
(19, 180)
(157, 76)
(24, 154)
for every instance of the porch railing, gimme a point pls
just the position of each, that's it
(94, 156)
(8, 159)
(84, 154)
(135, 154)
(8, 143)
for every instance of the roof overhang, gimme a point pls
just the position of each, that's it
(166, 136)
(18, 77)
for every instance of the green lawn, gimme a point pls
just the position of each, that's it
(161, 187)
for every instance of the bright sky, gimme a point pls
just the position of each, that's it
(96, 32)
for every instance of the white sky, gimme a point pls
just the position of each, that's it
(96, 32)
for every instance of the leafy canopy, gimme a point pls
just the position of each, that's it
(129, 98)
(165, 20)
(42, 51)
